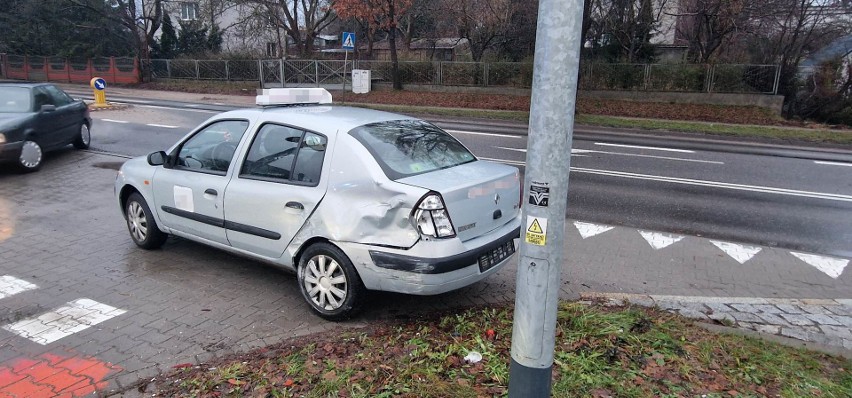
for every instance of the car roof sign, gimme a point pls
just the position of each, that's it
(293, 96)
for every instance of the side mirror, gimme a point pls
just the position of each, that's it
(48, 108)
(157, 158)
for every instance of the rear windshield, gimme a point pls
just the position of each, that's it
(14, 99)
(409, 147)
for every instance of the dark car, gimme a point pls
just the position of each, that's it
(36, 118)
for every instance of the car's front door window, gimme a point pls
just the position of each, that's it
(41, 97)
(212, 149)
(58, 96)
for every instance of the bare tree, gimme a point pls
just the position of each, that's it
(379, 14)
(302, 20)
(142, 17)
(484, 23)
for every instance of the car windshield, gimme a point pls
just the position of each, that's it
(405, 148)
(14, 99)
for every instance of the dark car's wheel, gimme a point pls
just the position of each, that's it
(140, 222)
(84, 137)
(31, 156)
(329, 282)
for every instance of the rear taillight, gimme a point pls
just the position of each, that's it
(431, 217)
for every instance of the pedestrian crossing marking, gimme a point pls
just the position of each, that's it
(10, 286)
(75, 316)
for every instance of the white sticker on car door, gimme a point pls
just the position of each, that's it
(183, 199)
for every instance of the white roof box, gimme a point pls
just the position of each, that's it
(293, 96)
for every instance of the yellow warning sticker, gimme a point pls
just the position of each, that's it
(536, 231)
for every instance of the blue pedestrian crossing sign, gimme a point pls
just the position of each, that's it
(348, 41)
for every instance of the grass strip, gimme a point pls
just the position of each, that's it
(719, 129)
(600, 352)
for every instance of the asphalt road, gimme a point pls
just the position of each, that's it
(784, 198)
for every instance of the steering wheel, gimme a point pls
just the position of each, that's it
(222, 154)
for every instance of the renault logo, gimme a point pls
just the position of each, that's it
(497, 199)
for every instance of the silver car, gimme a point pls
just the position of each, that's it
(349, 199)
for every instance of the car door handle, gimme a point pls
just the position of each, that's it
(211, 191)
(295, 205)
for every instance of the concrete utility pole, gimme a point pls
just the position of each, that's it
(554, 96)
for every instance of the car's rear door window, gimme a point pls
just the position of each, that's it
(14, 99)
(285, 154)
(405, 148)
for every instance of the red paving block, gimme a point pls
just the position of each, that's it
(8, 377)
(22, 364)
(76, 365)
(54, 375)
(63, 380)
(27, 388)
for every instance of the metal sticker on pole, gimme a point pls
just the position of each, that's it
(536, 231)
(539, 194)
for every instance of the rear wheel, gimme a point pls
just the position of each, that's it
(140, 222)
(84, 137)
(31, 156)
(330, 283)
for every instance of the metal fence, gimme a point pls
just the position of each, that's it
(723, 78)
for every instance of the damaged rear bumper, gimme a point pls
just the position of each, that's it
(432, 267)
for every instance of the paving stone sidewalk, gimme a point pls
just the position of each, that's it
(63, 244)
(822, 321)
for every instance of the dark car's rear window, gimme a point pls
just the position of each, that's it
(14, 99)
(405, 148)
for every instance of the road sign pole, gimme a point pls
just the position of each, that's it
(551, 126)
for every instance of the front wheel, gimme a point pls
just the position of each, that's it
(31, 156)
(84, 137)
(330, 283)
(140, 222)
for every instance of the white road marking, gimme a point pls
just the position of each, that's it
(193, 105)
(577, 152)
(181, 109)
(833, 163)
(115, 121)
(143, 101)
(653, 148)
(485, 134)
(741, 253)
(218, 103)
(659, 240)
(10, 286)
(587, 230)
(64, 321)
(830, 266)
(162, 125)
(716, 184)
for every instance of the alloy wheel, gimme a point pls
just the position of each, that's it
(325, 282)
(137, 221)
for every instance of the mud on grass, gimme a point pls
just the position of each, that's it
(600, 352)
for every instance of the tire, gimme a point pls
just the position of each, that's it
(84, 137)
(31, 157)
(329, 282)
(141, 225)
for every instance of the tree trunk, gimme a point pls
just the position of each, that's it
(397, 83)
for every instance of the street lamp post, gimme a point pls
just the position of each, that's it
(551, 126)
